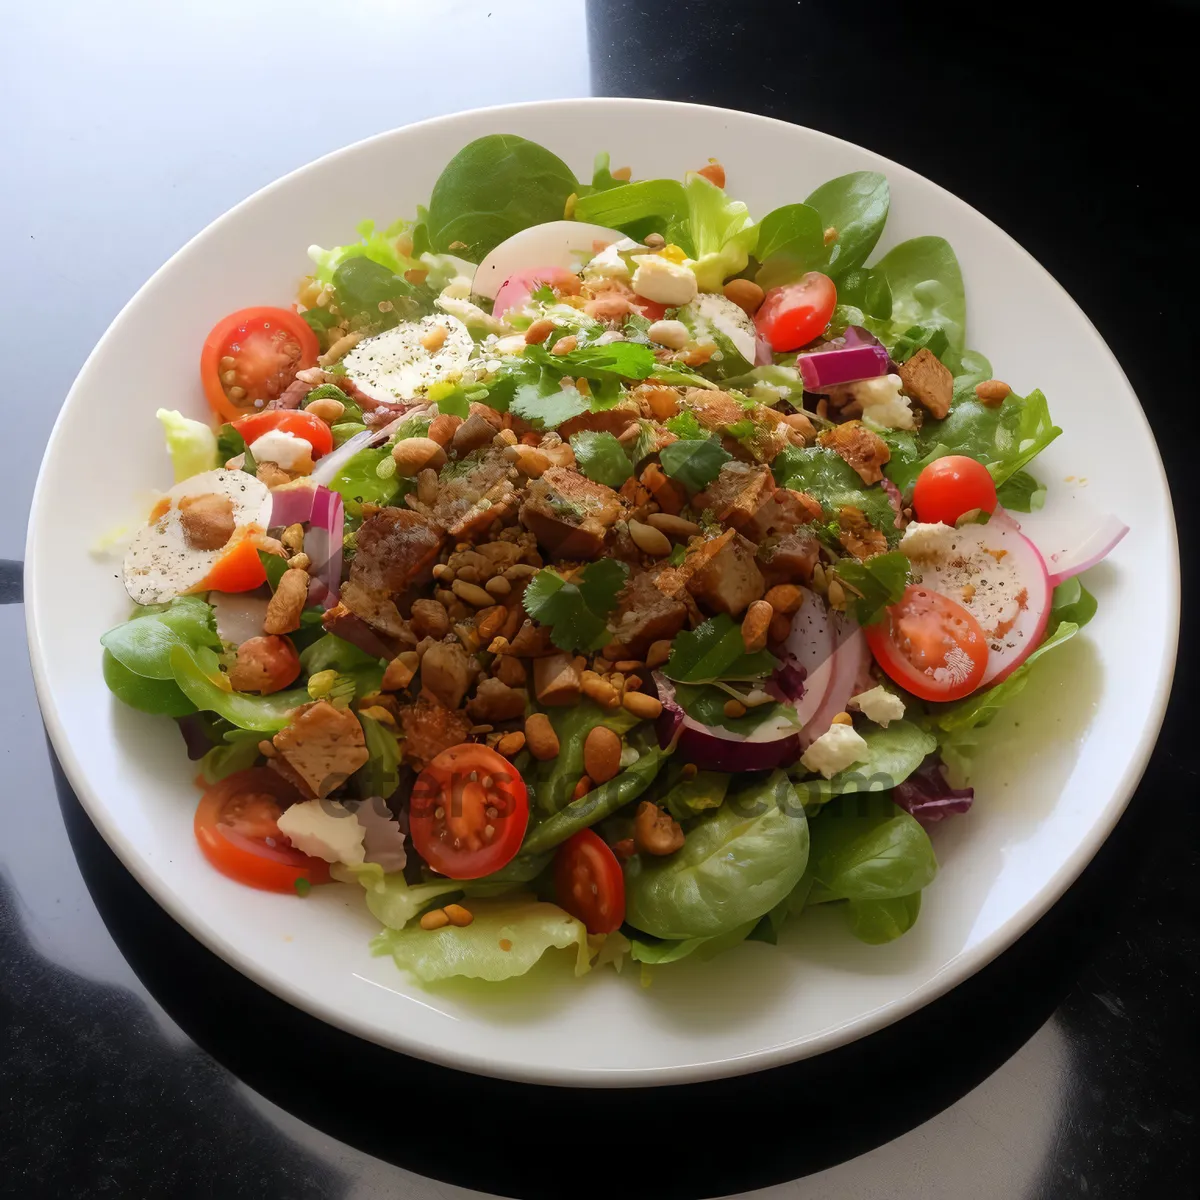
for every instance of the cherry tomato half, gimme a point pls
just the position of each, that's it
(930, 645)
(952, 486)
(589, 883)
(469, 812)
(237, 827)
(298, 423)
(251, 356)
(795, 314)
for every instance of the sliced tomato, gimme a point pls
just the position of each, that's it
(298, 423)
(252, 356)
(795, 314)
(930, 645)
(589, 883)
(237, 826)
(952, 486)
(469, 812)
(239, 569)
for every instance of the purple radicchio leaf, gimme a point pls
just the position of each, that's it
(927, 795)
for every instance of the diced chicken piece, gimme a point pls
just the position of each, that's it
(714, 410)
(393, 548)
(858, 536)
(447, 672)
(319, 749)
(791, 559)
(531, 641)
(770, 436)
(737, 493)
(731, 582)
(496, 701)
(429, 728)
(610, 420)
(473, 434)
(784, 512)
(646, 614)
(556, 680)
(359, 631)
(569, 514)
(674, 581)
(861, 448)
(472, 493)
(929, 382)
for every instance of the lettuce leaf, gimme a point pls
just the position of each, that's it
(391, 899)
(192, 445)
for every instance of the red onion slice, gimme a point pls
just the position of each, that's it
(824, 369)
(323, 544)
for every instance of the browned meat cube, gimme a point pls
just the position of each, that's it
(319, 749)
(861, 448)
(791, 559)
(569, 514)
(393, 547)
(472, 493)
(430, 728)
(858, 536)
(646, 614)
(784, 512)
(737, 493)
(731, 581)
(611, 420)
(556, 680)
(714, 410)
(928, 382)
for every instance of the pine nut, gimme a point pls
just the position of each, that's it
(471, 593)
(843, 718)
(326, 409)
(992, 392)
(427, 488)
(540, 737)
(755, 625)
(511, 744)
(673, 526)
(435, 919)
(658, 653)
(458, 916)
(498, 586)
(649, 540)
(734, 708)
(785, 598)
(539, 331)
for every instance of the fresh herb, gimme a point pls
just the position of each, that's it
(543, 294)
(626, 360)
(715, 650)
(601, 458)
(706, 704)
(380, 774)
(230, 443)
(684, 425)
(878, 582)
(673, 375)
(694, 463)
(545, 403)
(835, 485)
(920, 337)
(576, 611)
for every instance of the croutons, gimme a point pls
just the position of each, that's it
(928, 382)
(319, 749)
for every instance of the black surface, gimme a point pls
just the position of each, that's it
(1063, 133)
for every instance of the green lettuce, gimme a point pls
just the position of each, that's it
(893, 754)
(192, 445)
(834, 484)
(721, 233)
(391, 899)
(199, 676)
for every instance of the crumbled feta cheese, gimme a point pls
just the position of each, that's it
(835, 750)
(286, 449)
(883, 405)
(926, 541)
(609, 264)
(672, 334)
(878, 705)
(663, 281)
(325, 829)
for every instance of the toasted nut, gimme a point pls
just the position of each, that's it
(629, 434)
(472, 593)
(293, 538)
(779, 628)
(649, 540)
(581, 788)
(600, 690)
(511, 744)
(435, 339)
(505, 437)
(540, 737)
(401, 669)
(734, 708)
(436, 918)
(531, 461)
(561, 456)
(690, 771)
(746, 294)
(539, 331)
(267, 748)
(565, 345)
(992, 392)
(326, 409)
(489, 621)
(658, 653)
(629, 664)
(457, 915)
(633, 683)
(445, 572)
(831, 235)
(836, 594)
(673, 526)
(785, 598)
(617, 680)
(415, 454)
(672, 334)
(498, 586)
(300, 561)
(602, 754)
(429, 618)
(843, 718)
(441, 428)
(340, 348)
(283, 613)
(467, 574)
(645, 708)
(427, 487)
(755, 626)
(655, 831)
(520, 571)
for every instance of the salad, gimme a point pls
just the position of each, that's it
(594, 566)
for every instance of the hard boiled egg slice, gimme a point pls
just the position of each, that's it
(192, 528)
(565, 244)
(402, 363)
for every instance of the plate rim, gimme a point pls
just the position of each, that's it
(959, 968)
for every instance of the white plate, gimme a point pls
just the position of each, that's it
(1048, 792)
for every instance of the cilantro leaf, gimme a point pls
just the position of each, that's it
(576, 611)
(544, 294)
(546, 404)
(694, 463)
(629, 360)
(677, 376)
(274, 565)
(601, 458)
(645, 443)
(834, 484)
(715, 650)
(881, 580)
(684, 425)
(741, 429)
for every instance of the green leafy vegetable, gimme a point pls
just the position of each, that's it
(507, 936)
(834, 484)
(359, 483)
(332, 653)
(865, 848)
(545, 403)
(715, 650)
(659, 951)
(685, 425)
(192, 445)
(274, 566)
(1072, 602)
(159, 696)
(790, 242)
(648, 206)
(144, 644)
(878, 921)
(867, 290)
(361, 286)
(1020, 492)
(628, 360)
(720, 233)
(602, 458)
(577, 611)
(893, 754)
(690, 797)
(199, 676)
(236, 752)
(377, 246)
(554, 780)
(390, 898)
(694, 463)
(380, 774)
(878, 582)
(927, 289)
(706, 704)
(676, 376)
(492, 188)
(736, 864)
(856, 205)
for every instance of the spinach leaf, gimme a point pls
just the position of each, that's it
(790, 242)
(878, 921)
(162, 697)
(1072, 602)
(706, 704)
(694, 463)
(652, 951)
(492, 188)
(736, 864)
(274, 566)
(893, 754)
(715, 650)
(865, 848)
(927, 290)
(144, 644)
(856, 205)
(1020, 492)
(867, 290)
(648, 206)
(878, 582)
(361, 285)
(602, 458)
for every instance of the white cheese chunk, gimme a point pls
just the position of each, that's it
(663, 281)
(878, 705)
(882, 404)
(283, 448)
(835, 750)
(325, 829)
(925, 541)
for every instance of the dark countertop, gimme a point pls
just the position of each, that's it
(137, 1064)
